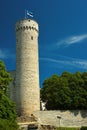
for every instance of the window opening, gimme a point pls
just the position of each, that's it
(31, 37)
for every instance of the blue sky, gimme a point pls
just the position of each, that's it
(62, 36)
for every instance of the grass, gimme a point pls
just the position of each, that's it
(67, 128)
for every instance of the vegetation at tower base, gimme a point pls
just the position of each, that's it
(68, 91)
(4, 78)
(7, 107)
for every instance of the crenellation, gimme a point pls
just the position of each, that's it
(26, 28)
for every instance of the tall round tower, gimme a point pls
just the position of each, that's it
(27, 68)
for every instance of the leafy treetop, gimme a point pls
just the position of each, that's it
(4, 78)
(67, 91)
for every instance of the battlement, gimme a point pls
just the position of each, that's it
(27, 24)
(26, 28)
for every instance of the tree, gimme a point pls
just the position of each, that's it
(56, 92)
(4, 78)
(67, 91)
(7, 107)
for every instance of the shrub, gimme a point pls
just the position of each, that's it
(8, 125)
(84, 128)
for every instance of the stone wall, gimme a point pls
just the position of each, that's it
(12, 88)
(74, 118)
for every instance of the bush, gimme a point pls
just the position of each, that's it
(84, 128)
(8, 113)
(8, 125)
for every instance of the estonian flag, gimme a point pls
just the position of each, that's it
(30, 13)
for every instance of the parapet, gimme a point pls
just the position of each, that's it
(27, 24)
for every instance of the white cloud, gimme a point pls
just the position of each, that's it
(72, 40)
(79, 63)
(5, 54)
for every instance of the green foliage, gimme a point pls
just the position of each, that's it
(84, 128)
(68, 91)
(8, 125)
(7, 107)
(4, 78)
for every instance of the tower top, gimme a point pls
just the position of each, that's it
(27, 23)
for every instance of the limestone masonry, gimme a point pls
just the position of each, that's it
(64, 118)
(27, 69)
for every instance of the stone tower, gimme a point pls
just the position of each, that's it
(27, 68)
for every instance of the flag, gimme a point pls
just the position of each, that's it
(30, 13)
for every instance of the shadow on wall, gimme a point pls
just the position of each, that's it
(76, 112)
(32, 127)
(82, 112)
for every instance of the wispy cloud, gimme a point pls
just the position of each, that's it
(72, 40)
(5, 54)
(2, 55)
(79, 63)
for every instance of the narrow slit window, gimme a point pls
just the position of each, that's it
(31, 37)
